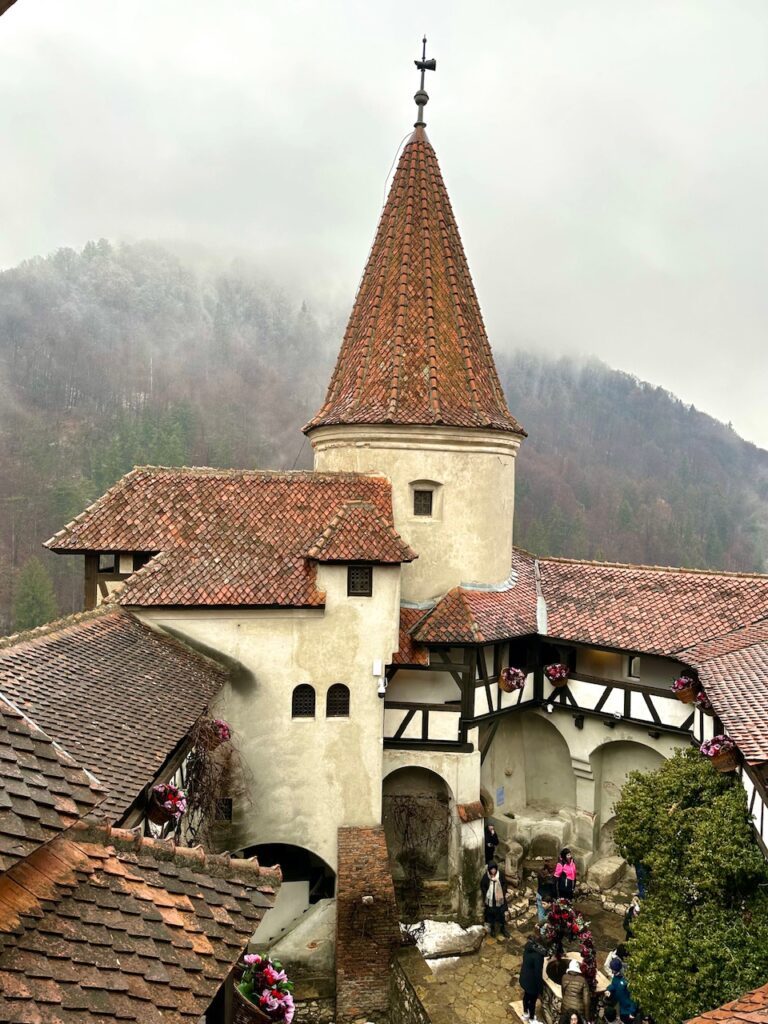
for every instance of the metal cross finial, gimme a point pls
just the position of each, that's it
(421, 96)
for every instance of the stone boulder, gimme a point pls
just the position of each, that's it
(606, 872)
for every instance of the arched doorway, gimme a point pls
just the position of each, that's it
(611, 764)
(417, 815)
(298, 865)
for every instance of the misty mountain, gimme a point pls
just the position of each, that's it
(116, 356)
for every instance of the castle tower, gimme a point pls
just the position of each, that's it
(415, 393)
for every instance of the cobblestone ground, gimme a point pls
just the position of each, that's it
(477, 989)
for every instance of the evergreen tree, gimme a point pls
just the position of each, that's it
(35, 602)
(701, 938)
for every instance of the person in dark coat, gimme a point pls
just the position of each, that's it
(532, 976)
(494, 900)
(491, 842)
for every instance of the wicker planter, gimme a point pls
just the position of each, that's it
(687, 695)
(725, 761)
(246, 1012)
(557, 683)
(508, 683)
(156, 813)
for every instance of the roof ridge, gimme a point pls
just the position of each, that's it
(57, 625)
(653, 568)
(218, 865)
(402, 301)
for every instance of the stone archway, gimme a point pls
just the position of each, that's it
(416, 815)
(611, 764)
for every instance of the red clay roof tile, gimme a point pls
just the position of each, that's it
(410, 652)
(751, 1008)
(228, 537)
(358, 532)
(105, 674)
(415, 350)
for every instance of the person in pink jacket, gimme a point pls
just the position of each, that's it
(565, 875)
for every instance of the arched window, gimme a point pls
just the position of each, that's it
(303, 701)
(337, 701)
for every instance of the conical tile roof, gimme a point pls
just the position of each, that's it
(415, 350)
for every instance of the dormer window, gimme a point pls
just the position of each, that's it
(107, 562)
(360, 581)
(422, 503)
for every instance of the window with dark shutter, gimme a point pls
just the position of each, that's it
(360, 580)
(107, 562)
(303, 702)
(422, 503)
(337, 701)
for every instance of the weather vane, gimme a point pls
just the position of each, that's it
(421, 96)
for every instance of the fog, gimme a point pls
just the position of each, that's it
(607, 160)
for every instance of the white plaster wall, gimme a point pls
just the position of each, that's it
(461, 772)
(654, 671)
(307, 776)
(611, 764)
(504, 765)
(469, 538)
(427, 687)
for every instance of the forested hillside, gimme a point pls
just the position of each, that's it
(119, 356)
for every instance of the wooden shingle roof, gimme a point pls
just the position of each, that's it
(415, 350)
(102, 924)
(43, 791)
(116, 694)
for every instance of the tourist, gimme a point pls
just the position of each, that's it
(545, 892)
(494, 900)
(491, 842)
(577, 996)
(565, 875)
(532, 976)
(631, 916)
(620, 953)
(620, 991)
(572, 1018)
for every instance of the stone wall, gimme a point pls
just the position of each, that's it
(405, 1007)
(367, 933)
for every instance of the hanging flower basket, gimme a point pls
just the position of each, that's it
(703, 703)
(511, 679)
(557, 674)
(685, 689)
(263, 992)
(211, 733)
(246, 1012)
(722, 752)
(166, 803)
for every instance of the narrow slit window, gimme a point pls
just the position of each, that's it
(303, 701)
(337, 701)
(360, 581)
(422, 503)
(633, 666)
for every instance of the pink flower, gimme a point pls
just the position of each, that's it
(252, 958)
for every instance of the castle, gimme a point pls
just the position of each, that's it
(368, 610)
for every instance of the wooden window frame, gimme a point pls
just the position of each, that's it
(115, 569)
(355, 591)
(422, 494)
(630, 659)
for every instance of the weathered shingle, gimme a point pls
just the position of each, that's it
(751, 1008)
(415, 350)
(358, 532)
(115, 693)
(43, 791)
(230, 537)
(104, 925)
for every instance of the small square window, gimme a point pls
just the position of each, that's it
(422, 503)
(360, 580)
(633, 666)
(107, 562)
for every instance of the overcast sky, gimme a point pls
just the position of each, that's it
(607, 159)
